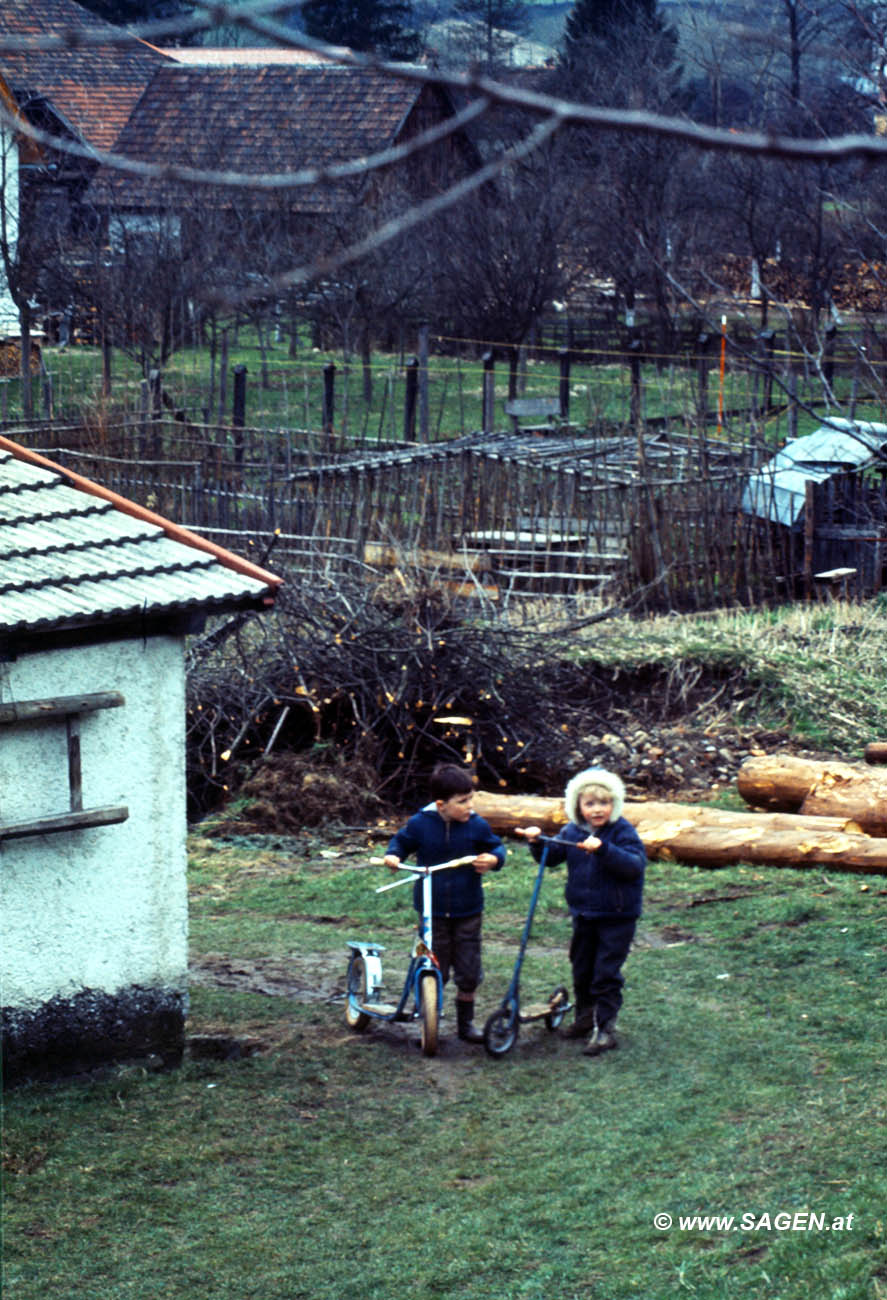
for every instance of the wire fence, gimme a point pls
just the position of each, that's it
(765, 388)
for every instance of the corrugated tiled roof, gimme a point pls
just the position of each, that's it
(269, 118)
(70, 558)
(94, 87)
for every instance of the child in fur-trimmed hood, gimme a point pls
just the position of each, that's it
(605, 882)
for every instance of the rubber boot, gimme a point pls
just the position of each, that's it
(601, 1039)
(466, 1028)
(583, 1022)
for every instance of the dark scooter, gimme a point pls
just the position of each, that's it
(502, 1027)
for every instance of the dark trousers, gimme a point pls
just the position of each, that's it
(597, 950)
(455, 942)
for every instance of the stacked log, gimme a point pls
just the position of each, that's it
(876, 752)
(711, 837)
(811, 787)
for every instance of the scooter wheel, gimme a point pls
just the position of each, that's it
(559, 1002)
(500, 1031)
(428, 1005)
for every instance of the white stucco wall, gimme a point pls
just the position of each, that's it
(103, 908)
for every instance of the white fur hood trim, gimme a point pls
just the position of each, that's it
(594, 776)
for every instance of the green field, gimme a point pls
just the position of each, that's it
(284, 391)
(320, 1163)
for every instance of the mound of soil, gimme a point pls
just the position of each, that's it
(287, 792)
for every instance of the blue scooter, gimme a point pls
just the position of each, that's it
(422, 995)
(502, 1027)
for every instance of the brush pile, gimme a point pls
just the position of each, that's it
(370, 685)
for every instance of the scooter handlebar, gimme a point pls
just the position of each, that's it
(553, 839)
(415, 870)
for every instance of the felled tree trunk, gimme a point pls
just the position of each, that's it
(711, 837)
(817, 789)
(779, 782)
(505, 812)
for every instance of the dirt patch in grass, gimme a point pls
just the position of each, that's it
(312, 977)
(668, 936)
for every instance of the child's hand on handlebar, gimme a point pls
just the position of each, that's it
(484, 862)
(591, 845)
(392, 861)
(528, 832)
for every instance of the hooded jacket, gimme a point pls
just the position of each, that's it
(610, 881)
(459, 891)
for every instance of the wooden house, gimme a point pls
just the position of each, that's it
(80, 95)
(263, 115)
(277, 119)
(97, 597)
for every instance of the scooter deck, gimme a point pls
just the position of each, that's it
(536, 1010)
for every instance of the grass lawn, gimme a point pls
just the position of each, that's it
(287, 392)
(322, 1163)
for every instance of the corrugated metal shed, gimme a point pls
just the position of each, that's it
(778, 490)
(72, 554)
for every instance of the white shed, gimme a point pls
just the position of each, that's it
(97, 596)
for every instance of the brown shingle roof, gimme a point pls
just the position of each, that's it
(94, 87)
(266, 119)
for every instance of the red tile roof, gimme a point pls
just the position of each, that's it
(264, 119)
(94, 87)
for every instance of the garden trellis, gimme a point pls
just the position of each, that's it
(653, 520)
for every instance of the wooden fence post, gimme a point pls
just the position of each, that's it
(564, 383)
(46, 379)
(238, 414)
(489, 393)
(155, 381)
(106, 364)
(809, 536)
(329, 397)
(792, 404)
(513, 359)
(765, 344)
(144, 407)
(410, 399)
(424, 336)
(702, 359)
(223, 377)
(25, 363)
(634, 349)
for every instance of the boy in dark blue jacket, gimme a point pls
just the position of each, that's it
(448, 828)
(605, 883)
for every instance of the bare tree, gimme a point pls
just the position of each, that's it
(490, 26)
